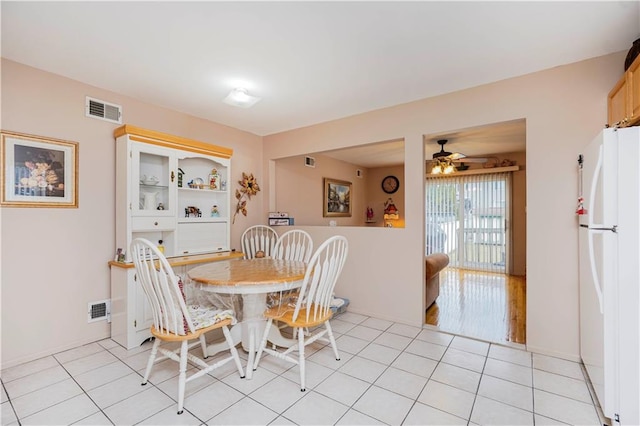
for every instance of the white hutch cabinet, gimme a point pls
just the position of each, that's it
(171, 191)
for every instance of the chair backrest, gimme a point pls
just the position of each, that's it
(294, 245)
(320, 278)
(162, 288)
(258, 238)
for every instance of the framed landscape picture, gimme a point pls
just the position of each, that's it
(38, 171)
(337, 198)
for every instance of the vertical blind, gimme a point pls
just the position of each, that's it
(467, 217)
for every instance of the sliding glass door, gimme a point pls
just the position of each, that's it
(467, 217)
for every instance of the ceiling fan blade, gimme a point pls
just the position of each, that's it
(456, 156)
(472, 160)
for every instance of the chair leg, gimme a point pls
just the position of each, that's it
(182, 377)
(151, 360)
(234, 351)
(263, 344)
(203, 343)
(301, 361)
(332, 340)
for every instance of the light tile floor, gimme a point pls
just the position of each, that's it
(388, 374)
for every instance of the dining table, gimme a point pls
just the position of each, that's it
(253, 280)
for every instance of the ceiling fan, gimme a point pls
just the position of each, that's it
(456, 157)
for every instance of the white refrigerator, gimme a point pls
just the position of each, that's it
(609, 245)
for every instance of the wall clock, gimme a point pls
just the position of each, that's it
(390, 184)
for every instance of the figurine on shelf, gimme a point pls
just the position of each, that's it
(369, 214)
(214, 179)
(119, 255)
(215, 212)
(160, 206)
(192, 210)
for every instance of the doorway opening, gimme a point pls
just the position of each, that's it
(476, 214)
(467, 217)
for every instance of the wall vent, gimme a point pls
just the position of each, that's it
(309, 161)
(98, 311)
(102, 110)
(358, 173)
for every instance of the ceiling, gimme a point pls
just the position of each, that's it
(310, 62)
(492, 139)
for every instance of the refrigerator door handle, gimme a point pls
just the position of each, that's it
(598, 228)
(594, 189)
(594, 271)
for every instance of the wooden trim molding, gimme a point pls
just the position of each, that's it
(482, 171)
(188, 260)
(171, 141)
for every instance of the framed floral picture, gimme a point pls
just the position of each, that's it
(38, 171)
(337, 198)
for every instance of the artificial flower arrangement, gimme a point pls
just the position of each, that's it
(248, 187)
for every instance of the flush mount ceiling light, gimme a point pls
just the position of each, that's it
(241, 98)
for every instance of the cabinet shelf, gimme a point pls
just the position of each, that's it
(204, 220)
(142, 185)
(202, 190)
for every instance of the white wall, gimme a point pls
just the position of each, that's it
(54, 261)
(564, 108)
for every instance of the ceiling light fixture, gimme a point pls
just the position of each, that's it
(442, 166)
(241, 98)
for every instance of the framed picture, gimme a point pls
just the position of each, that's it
(38, 171)
(337, 198)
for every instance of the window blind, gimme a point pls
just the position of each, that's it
(466, 217)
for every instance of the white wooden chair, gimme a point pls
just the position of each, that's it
(312, 308)
(174, 321)
(258, 238)
(294, 245)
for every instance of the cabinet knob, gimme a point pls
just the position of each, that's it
(155, 223)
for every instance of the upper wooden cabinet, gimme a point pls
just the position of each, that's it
(624, 99)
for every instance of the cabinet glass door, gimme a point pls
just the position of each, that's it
(153, 181)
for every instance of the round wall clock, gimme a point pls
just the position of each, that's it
(390, 184)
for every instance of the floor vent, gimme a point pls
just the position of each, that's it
(309, 161)
(96, 108)
(98, 311)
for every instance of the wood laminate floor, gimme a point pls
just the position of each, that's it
(483, 305)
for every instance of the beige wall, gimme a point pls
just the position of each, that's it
(299, 190)
(376, 197)
(54, 261)
(564, 108)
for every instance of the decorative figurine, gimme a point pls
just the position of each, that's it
(369, 214)
(119, 255)
(215, 212)
(160, 206)
(214, 179)
(192, 210)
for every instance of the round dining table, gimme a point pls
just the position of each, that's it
(253, 279)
